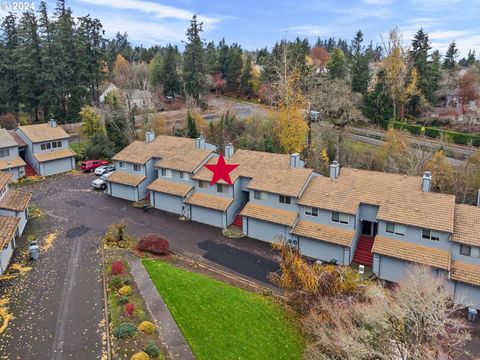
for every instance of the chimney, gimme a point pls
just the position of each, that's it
(229, 151)
(427, 181)
(478, 199)
(334, 170)
(295, 160)
(52, 123)
(200, 143)
(149, 136)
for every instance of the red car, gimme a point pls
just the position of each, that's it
(91, 165)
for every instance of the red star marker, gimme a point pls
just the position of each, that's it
(221, 170)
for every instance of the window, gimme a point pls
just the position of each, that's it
(137, 167)
(121, 164)
(203, 184)
(59, 143)
(259, 195)
(285, 199)
(167, 173)
(397, 229)
(339, 217)
(181, 174)
(465, 250)
(4, 153)
(310, 211)
(221, 188)
(430, 235)
(43, 146)
(49, 145)
(54, 145)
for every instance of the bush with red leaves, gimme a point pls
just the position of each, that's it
(8, 121)
(154, 243)
(118, 268)
(129, 309)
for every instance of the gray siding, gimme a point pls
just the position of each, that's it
(5, 256)
(21, 215)
(273, 201)
(212, 190)
(17, 172)
(207, 216)
(265, 231)
(167, 202)
(395, 270)
(325, 217)
(240, 199)
(467, 295)
(13, 152)
(468, 259)
(323, 251)
(176, 177)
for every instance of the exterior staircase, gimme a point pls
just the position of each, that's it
(363, 253)
(29, 170)
(238, 221)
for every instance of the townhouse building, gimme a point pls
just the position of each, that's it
(382, 221)
(10, 160)
(47, 148)
(13, 217)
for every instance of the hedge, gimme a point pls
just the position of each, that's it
(456, 137)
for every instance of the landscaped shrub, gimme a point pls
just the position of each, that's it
(154, 243)
(127, 281)
(129, 309)
(125, 290)
(122, 300)
(152, 350)
(140, 356)
(116, 283)
(125, 330)
(118, 267)
(147, 327)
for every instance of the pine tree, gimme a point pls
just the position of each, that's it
(211, 63)
(235, 64)
(449, 63)
(360, 65)
(193, 61)
(246, 78)
(419, 60)
(8, 65)
(169, 71)
(337, 65)
(192, 131)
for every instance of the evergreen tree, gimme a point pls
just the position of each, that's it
(419, 60)
(449, 62)
(8, 64)
(337, 65)
(169, 71)
(27, 53)
(246, 78)
(211, 63)
(192, 131)
(360, 69)
(193, 61)
(262, 57)
(434, 76)
(223, 51)
(235, 64)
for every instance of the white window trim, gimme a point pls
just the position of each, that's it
(345, 217)
(139, 168)
(396, 229)
(121, 164)
(310, 213)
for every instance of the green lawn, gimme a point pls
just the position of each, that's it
(223, 322)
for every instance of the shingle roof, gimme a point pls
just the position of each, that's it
(184, 159)
(267, 213)
(5, 178)
(124, 178)
(140, 152)
(6, 140)
(14, 163)
(464, 272)
(17, 139)
(424, 255)
(399, 197)
(210, 201)
(330, 234)
(8, 227)
(43, 132)
(54, 155)
(289, 182)
(15, 200)
(467, 225)
(170, 187)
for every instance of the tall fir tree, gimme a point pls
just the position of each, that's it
(419, 57)
(246, 78)
(169, 76)
(337, 65)
(9, 61)
(450, 60)
(360, 69)
(193, 60)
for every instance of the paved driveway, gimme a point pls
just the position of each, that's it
(58, 305)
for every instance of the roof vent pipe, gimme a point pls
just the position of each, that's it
(295, 160)
(200, 143)
(334, 170)
(229, 150)
(149, 136)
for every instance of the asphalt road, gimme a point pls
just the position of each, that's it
(58, 305)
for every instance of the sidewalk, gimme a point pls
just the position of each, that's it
(167, 327)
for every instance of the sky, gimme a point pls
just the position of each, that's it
(259, 23)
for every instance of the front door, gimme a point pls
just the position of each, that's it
(369, 228)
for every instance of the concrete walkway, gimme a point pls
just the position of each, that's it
(167, 327)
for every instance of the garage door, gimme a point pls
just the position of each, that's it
(168, 203)
(57, 166)
(123, 192)
(266, 231)
(206, 216)
(321, 250)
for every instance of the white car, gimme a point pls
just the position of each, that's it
(101, 170)
(100, 182)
